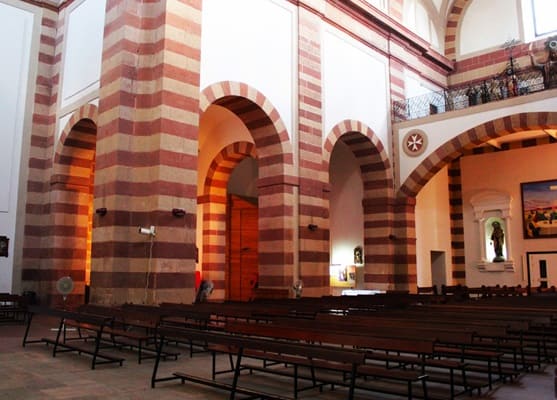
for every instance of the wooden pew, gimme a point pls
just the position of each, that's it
(61, 344)
(133, 329)
(343, 361)
(402, 345)
(13, 307)
(402, 382)
(468, 340)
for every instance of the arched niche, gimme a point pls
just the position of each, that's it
(492, 210)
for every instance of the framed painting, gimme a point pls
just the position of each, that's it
(539, 209)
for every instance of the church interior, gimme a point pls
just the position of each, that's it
(341, 166)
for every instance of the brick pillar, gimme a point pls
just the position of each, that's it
(457, 224)
(275, 234)
(147, 152)
(39, 272)
(313, 191)
(396, 9)
(404, 238)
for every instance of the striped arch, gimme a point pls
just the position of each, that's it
(377, 180)
(86, 112)
(72, 196)
(276, 176)
(464, 142)
(263, 121)
(214, 205)
(453, 20)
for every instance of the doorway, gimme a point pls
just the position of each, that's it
(438, 269)
(542, 269)
(243, 268)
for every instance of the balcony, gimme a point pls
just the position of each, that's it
(498, 88)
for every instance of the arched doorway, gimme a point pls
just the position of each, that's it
(374, 203)
(242, 273)
(72, 211)
(251, 127)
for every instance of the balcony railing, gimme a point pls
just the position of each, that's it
(498, 88)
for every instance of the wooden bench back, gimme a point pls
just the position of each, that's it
(316, 335)
(305, 350)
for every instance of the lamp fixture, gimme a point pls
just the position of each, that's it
(178, 212)
(101, 211)
(147, 231)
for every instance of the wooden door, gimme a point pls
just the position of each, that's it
(243, 268)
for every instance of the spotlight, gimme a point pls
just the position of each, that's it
(147, 231)
(178, 212)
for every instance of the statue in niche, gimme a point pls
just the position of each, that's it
(498, 239)
(358, 255)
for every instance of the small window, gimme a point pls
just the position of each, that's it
(543, 12)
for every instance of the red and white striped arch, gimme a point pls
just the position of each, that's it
(276, 175)
(377, 182)
(469, 139)
(214, 206)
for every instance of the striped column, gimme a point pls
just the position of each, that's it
(39, 271)
(313, 198)
(404, 237)
(457, 224)
(147, 152)
(451, 30)
(396, 9)
(397, 87)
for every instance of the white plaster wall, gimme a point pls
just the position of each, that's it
(415, 86)
(486, 25)
(433, 226)
(444, 127)
(346, 212)
(82, 55)
(252, 41)
(422, 20)
(354, 85)
(380, 4)
(504, 172)
(17, 77)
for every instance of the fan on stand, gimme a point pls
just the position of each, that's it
(64, 286)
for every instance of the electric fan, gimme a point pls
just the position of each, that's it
(64, 286)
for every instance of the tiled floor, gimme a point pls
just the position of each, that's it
(31, 373)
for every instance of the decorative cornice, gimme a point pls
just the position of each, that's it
(52, 5)
(394, 30)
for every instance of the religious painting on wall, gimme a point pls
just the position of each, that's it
(539, 209)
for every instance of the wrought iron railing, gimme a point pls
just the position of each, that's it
(498, 88)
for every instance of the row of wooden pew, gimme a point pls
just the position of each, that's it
(13, 307)
(401, 345)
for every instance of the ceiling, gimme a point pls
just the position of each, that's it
(520, 136)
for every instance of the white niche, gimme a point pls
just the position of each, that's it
(492, 211)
